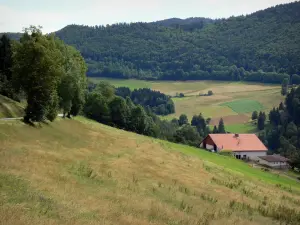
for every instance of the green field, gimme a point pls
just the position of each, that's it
(244, 105)
(82, 172)
(240, 128)
(10, 108)
(231, 99)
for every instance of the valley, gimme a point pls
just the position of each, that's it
(233, 101)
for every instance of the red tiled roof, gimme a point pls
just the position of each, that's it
(244, 142)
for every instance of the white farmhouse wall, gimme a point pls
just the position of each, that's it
(273, 164)
(253, 155)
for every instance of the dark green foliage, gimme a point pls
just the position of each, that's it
(261, 47)
(6, 88)
(188, 134)
(221, 127)
(50, 73)
(209, 93)
(283, 134)
(254, 115)
(284, 86)
(215, 130)
(261, 121)
(200, 123)
(295, 79)
(157, 102)
(37, 70)
(183, 120)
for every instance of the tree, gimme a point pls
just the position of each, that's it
(284, 86)
(221, 127)
(261, 121)
(6, 88)
(73, 83)
(281, 106)
(183, 120)
(37, 70)
(181, 95)
(96, 108)
(119, 112)
(188, 135)
(254, 115)
(209, 93)
(215, 130)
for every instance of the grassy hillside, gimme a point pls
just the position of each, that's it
(81, 172)
(10, 108)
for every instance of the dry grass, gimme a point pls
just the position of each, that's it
(10, 108)
(81, 172)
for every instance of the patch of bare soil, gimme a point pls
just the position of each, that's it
(233, 119)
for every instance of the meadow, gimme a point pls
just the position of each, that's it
(10, 108)
(82, 172)
(232, 101)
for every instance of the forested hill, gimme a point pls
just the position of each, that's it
(189, 24)
(263, 46)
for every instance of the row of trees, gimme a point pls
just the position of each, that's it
(282, 135)
(49, 74)
(156, 101)
(256, 47)
(103, 105)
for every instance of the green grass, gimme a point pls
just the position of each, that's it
(10, 108)
(244, 105)
(241, 128)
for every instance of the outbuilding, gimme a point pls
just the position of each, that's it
(274, 161)
(243, 146)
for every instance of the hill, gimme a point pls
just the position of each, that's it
(10, 108)
(189, 24)
(82, 172)
(259, 47)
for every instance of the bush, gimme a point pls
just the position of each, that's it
(209, 93)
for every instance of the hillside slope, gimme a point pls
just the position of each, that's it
(10, 108)
(81, 172)
(263, 46)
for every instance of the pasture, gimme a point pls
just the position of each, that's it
(82, 172)
(10, 108)
(244, 106)
(232, 101)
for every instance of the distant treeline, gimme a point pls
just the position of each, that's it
(156, 101)
(261, 47)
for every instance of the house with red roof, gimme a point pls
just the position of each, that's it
(243, 146)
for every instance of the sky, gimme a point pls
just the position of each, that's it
(55, 14)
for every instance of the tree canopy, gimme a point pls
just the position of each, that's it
(261, 47)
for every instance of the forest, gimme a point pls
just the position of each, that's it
(261, 47)
(282, 134)
(157, 102)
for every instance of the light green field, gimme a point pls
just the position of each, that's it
(82, 172)
(10, 108)
(244, 105)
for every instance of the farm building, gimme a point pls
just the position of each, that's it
(274, 161)
(243, 146)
